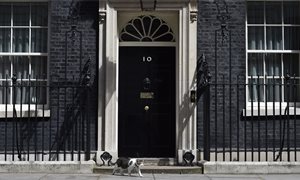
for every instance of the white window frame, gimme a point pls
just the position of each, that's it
(27, 109)
(265, 107)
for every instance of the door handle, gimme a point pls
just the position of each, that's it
(146, 108)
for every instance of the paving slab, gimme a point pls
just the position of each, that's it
(39, 176)
(20, 176)
(126, 177)
(251, 167)
(281, 177)
(70, 177)
(181, 177)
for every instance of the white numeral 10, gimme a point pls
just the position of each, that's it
(147, 59)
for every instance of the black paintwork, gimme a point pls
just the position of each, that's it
(147, 133)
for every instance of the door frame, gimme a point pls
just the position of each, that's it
(186, 58)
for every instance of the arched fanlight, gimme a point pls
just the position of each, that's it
(147, 28)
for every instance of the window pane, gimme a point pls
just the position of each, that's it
(21, 67)
(39, 15)
(273, 64)
(273, 90)
(33, 92)
(274, 38)
(273, 13)
(255, 12)
(255, 64)
(22, 93)
(256, 90)
(38, 93)
(20, 40)
(255, 38)
(292, 91)
(5, 40)
(21, 15)
(39, 40)
(291, 64)
(292, 38)
(291, 12)
(5, 92)
(4, 67)
(39, 67)
(5, 11)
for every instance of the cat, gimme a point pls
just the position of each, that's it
(127, 163)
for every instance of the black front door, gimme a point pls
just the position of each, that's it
(147, 102)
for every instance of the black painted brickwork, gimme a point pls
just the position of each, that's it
(77, 127)
(260, 133)
(87, 25)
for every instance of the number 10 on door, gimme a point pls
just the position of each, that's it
(147, 59)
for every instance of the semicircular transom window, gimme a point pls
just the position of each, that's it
(147, 28)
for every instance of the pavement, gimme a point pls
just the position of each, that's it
(41, 176)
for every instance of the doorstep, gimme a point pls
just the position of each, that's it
(156, 169)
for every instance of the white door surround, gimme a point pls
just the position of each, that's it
(181, 16)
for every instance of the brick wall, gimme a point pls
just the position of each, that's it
(228, 126)
(73, 111)
(68, 56)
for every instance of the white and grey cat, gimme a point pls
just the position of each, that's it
(129, 164)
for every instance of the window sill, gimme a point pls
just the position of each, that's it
(25, 113)
(270, 111)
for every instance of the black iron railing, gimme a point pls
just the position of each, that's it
(239, 127)
(46, 121)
